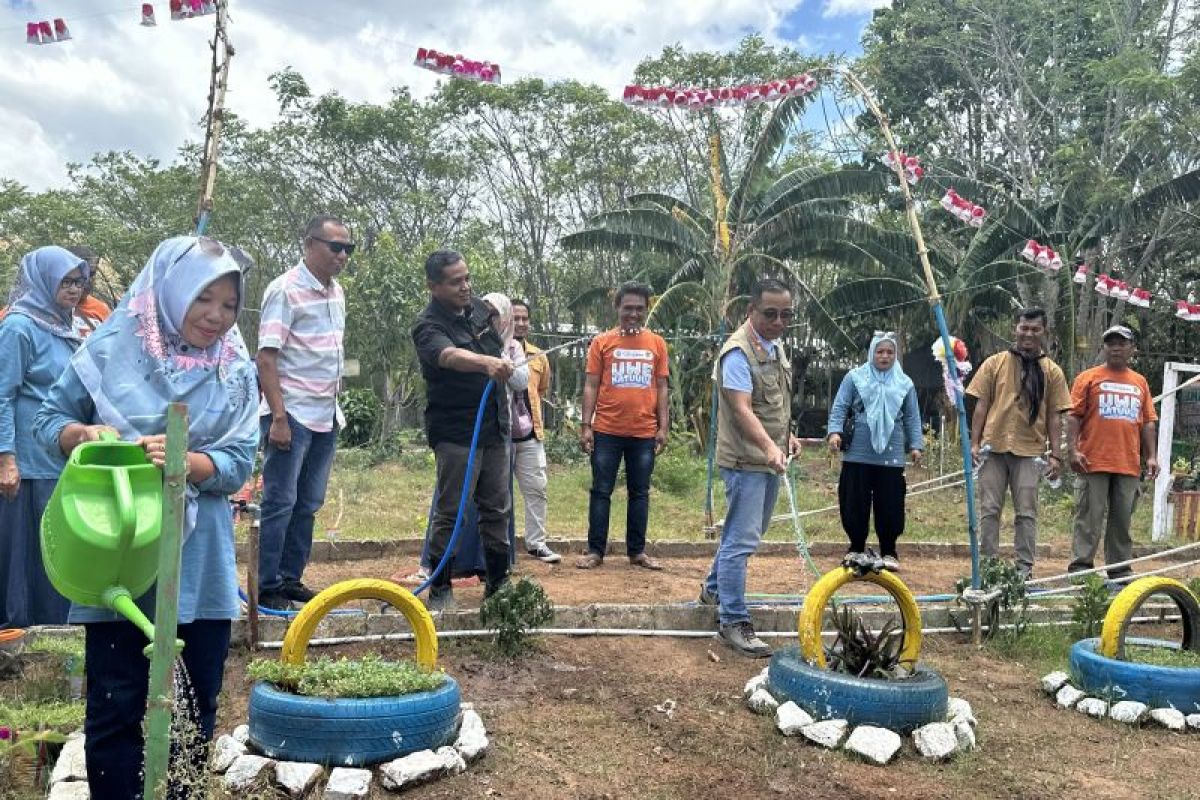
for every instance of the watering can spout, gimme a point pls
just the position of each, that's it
(120, 600)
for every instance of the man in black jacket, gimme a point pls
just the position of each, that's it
(460, 353)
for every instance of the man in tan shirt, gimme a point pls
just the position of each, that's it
(1020, 398)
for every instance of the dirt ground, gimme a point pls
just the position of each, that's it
(578, 720)
(618, 582)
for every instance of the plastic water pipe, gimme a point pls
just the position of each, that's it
(165, 649)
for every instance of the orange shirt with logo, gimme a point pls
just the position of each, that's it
(629, 366)
(1112, 407)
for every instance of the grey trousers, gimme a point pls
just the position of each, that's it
(529, 465)
(489, 486)
(1018, 475)
(1098, 493)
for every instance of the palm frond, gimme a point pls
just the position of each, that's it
(637, 229)
(810, 183)
(774, 136)
(669, 204)
(680, 299)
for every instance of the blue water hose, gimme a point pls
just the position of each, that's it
(462, 506)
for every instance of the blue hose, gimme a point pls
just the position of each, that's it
(462, 505)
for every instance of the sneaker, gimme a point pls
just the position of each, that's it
(274, 600)
(295, 590)
(645, 562)
(589, 560)
(440, 598)
(545, 554)
(708, 598)
(891, 563)
(741, 637)
(1025, 571)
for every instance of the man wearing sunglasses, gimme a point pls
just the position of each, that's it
(300, 362)
(754, 439)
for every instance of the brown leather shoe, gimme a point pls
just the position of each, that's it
(645, 562)
(589, 560)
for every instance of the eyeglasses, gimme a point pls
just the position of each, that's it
(337, 247)
(73, 283)
(772, 314)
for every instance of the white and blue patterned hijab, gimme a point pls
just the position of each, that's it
(882, 392)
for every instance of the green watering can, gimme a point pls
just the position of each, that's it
(101, 529)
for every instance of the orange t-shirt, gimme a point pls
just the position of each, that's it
(1112, 407)
(629, 367)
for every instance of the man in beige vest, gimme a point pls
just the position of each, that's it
(753, 432)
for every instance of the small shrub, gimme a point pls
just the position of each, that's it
(1012, 605)
(1091, 604)
(50, 714)
(361, 408)
(677, 470)
(857, 651)
(512, 611)
(369, 676)
(563, 449)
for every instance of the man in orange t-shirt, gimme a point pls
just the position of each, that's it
(1110, 430)
(626, 414)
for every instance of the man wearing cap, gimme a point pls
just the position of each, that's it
(1020, 395)
(1112, 443)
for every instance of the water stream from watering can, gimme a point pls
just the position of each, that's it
(188, 772)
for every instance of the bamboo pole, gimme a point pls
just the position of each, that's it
(222, 53)
(165, 648)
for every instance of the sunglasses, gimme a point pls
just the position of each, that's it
(772, 314)
(71, 283)
(337, 247)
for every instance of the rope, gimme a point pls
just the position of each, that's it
(1081, 573)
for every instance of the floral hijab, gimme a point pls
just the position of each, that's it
(34, 293)
(882, 392)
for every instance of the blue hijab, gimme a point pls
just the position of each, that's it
(137, 362)
(41, 272)
(882, 392)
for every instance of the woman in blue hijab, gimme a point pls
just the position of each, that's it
(37, 338)
(172, 339)
(874, 422)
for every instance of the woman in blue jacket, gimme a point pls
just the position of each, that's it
(172, 339)
(875, 420)
(37, 338)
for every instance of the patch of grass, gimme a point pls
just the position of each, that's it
(1042, 649)
(1162, 656)
(368, 676)
(27, 715)
(65, 646)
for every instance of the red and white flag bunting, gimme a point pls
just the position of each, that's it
(1042, 256)
(963, 209)
(696, 98)
(46, 32)
(910, 165)
(457, 65)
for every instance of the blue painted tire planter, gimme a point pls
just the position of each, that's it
(344, 732)
(1157, 687)
(901, 706)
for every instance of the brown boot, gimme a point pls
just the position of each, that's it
(645, 562)
(589, 560)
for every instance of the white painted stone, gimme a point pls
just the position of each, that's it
(71, 764)
(347, 783)
(957, 708)
(69, 790)
(878, 745)
(790, 719)
(225, 750)
(965, 735)
(1131, 712)
(1169, 718)
(419, 767)
(1193, 721)
(244, 771)
(762, 702)
(1093, 707)
(937, 740)
(759, 681)
(241, 734)
(472, 741)
(1054, 681)
(827, 733)
(297, 778)
(1068, 696)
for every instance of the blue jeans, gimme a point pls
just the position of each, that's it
(607, 452)
(294, 484)
(750, 500)
(117, 684)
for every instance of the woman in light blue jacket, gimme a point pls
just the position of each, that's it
(874, 422)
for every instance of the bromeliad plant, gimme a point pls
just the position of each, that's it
(863, 653)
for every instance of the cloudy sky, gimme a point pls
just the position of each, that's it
(118, 85)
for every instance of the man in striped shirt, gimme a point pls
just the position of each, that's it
(299, 370)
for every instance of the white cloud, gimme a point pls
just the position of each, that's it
(842, 8)
(118, 85)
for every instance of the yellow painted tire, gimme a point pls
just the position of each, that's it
(295, 643)
(813, 612)
(1130, 599)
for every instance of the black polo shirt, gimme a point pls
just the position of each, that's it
(452, 397)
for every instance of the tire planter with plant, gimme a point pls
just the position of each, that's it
(344, 731)
(901, 704)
